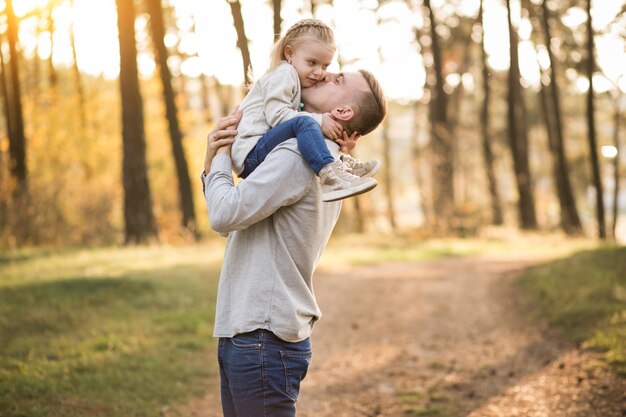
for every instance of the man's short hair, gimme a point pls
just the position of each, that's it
(370, 106)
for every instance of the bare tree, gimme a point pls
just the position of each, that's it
(277, 18)
(184, 184)
(391, 216)
(242, 40)
(138, 215)
(496, 205)
(617, 119)
(417, 153)
(441, 137)
(78, 79)
(4, 211)
(591, 122)
(205, 90)
(17, 139)
(570, 221)
(518, 136)
(52, 73)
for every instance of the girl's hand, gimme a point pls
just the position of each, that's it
(330, 127)
(347, 143)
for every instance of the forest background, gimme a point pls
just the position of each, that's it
(498, 224)
(470, 141)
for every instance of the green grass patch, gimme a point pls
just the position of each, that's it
(585, 294)
(428, 411)
(105, 332)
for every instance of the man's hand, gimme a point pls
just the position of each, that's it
(347, 143)
(330, 127)
(221, 137)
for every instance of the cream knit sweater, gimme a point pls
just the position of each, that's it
(273, 99)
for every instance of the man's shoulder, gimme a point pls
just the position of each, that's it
(286, 157)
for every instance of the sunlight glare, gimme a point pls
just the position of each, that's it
(574, 17)
(365, 36)
(496, 35)
(582, 84)
(608, 151)
(613, 60)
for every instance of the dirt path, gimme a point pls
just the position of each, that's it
(446, 338)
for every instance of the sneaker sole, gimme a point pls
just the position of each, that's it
(350, 192)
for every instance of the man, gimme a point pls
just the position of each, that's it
(277, 228)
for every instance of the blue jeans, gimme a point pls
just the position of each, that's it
(260, 374)
(310, 143)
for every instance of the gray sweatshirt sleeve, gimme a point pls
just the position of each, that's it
(282, 179)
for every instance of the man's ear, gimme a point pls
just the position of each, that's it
(343, 113)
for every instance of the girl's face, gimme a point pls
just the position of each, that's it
(310, 59)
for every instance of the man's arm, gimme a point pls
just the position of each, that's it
(282, 179)
(221, 136)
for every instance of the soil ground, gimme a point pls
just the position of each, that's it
(444, 338)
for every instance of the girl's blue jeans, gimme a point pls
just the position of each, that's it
(260, 374)
(311, 144)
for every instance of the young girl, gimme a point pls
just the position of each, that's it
(271, 114)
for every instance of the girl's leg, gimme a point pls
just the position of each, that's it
(310, 142)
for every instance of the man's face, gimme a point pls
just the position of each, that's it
(334, 91)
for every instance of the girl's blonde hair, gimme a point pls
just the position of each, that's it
(306, 28)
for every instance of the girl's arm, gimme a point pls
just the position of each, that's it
(280, 88)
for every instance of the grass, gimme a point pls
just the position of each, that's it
(585, 295)
(106, 332)
(348, 250)
(127, 331)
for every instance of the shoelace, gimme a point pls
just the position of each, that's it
(344, 174)
(352, 162)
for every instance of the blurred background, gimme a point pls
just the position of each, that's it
(503, 114)
(501, 204)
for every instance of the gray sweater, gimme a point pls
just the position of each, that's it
(277, 228)
(274, 98)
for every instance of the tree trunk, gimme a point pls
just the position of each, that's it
(242, 41)
(593, 147)
(52, 73)
(517, 134)
(359, 224)
(416, 152)
(225, 94)
(4, 211)
(277, 18)
(205, 90)
(138, 215)
(184, 184)
(496, 205)
(570, 221)
(36, 63)
(441, 140)
(78, 80)
(17, 139)
(616, 177)
(388, 177)
(6, 99)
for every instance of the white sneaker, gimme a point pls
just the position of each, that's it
(360, 168)
(338, 184)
